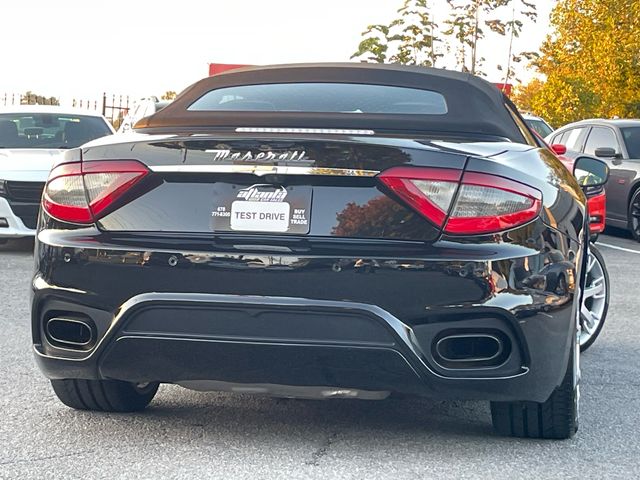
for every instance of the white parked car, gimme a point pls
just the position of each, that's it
(538, 124)
(32, 137)
(143, 108)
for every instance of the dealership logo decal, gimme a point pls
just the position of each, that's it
(222, 155)
(254, 194)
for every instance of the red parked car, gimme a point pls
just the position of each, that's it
(595, 304)
(597, 198)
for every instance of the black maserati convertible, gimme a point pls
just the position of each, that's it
(319, 231)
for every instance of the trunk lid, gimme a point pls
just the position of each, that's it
(320, 186)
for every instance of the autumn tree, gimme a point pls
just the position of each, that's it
(169, 95)
(591, 62)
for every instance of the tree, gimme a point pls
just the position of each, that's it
(169, 95)
(558, 100)
(415, 39)
(470, 20)
(30, 98)
(591, 62)
(465, 29)
(524, 95)
(412, 38)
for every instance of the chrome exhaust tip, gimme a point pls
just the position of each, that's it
(469, 347)
(70, 333)
(471, 350)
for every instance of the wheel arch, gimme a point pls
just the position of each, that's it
(635, 186)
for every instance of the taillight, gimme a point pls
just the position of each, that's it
(475, 203)
(83, 192)
(487, 203)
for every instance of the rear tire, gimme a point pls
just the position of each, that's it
(104, 395)
(556, 418)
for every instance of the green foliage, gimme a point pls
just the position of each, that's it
(415, 39)
(412, 36)
(591, 63)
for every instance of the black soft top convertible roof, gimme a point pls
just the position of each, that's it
(474, 105)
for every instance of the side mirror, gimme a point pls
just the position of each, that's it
(559, 149)
(590, 172)
(606, 152)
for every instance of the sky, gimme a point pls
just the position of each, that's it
(81, 48)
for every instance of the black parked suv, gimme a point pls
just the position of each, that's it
(617, 142)
(319, 231)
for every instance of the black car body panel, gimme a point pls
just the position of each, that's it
(362, 298)
(414, 289)
(181, 160)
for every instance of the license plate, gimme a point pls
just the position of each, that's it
(261, 208)
(260, 216)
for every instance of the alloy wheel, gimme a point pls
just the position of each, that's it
(634, 216)
(594, 300)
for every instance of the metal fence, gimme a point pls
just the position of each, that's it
(113, 107)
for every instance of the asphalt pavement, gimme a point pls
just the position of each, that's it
(185, 434)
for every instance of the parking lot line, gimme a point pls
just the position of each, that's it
(618, 248)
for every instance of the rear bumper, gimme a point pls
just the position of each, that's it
(15, 225)
(311, 321)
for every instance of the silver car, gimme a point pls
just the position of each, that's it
(617, 142)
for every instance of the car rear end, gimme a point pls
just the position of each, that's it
(310, 262)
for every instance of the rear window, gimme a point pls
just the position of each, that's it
(631, 137)
(323, 98)
(49, 130)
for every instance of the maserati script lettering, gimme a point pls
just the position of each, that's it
(221, 155)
